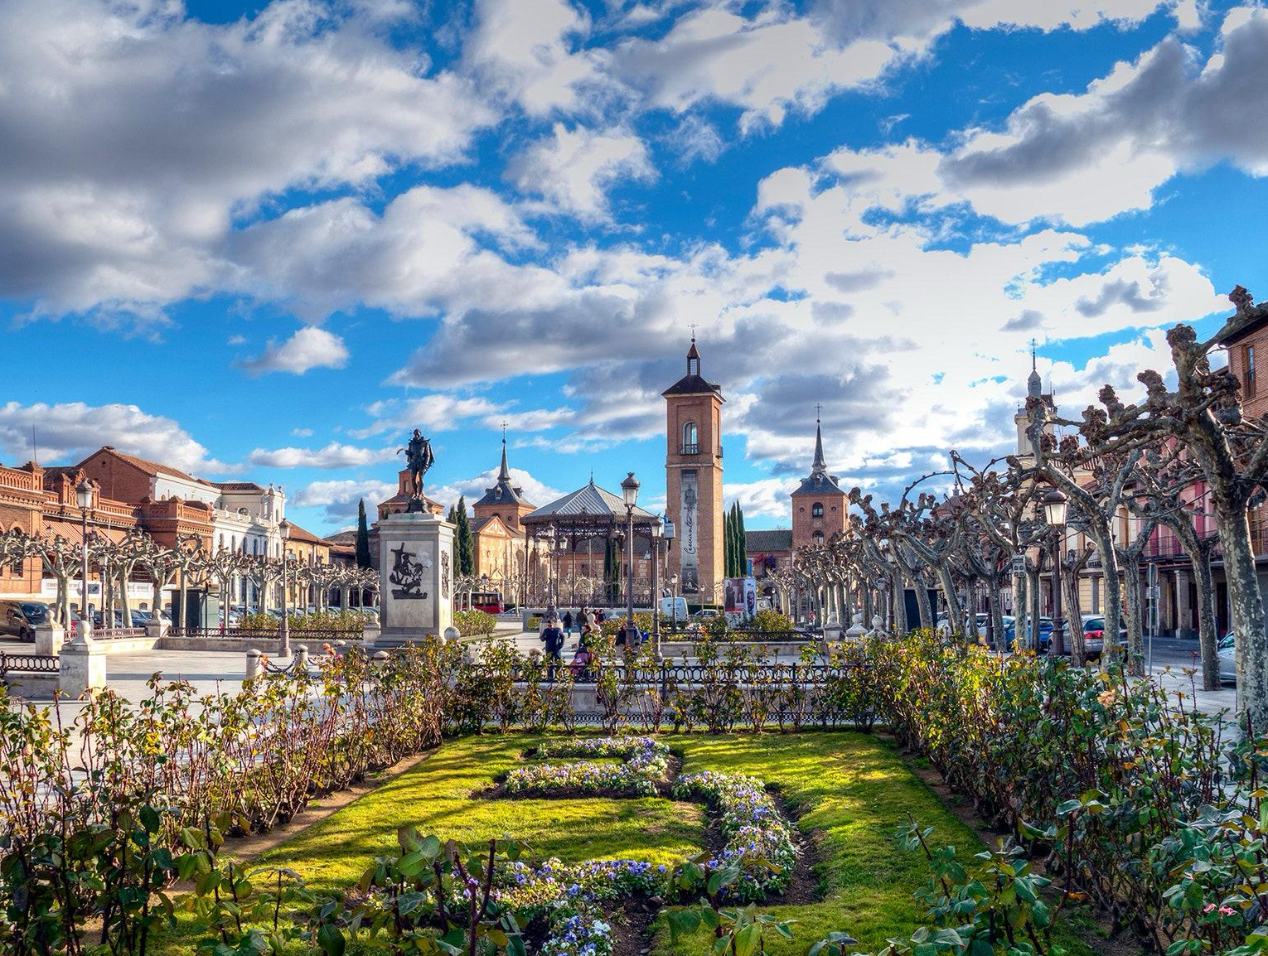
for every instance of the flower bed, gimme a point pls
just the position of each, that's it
(570, 898)
(752, 825)
(646, 763)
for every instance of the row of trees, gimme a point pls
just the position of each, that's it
(1182, 459)
(138, 557)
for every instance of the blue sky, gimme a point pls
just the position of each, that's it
(266, 240)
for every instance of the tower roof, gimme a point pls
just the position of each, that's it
(693, 383)
(819, 482)
(504, 492)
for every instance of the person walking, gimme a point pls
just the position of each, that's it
(568, 623)
(553, 637)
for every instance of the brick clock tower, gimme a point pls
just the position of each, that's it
(693, 481)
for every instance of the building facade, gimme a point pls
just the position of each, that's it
(819, 506)
(693, 481)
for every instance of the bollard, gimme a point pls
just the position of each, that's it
(452, 633)
(253, 664)
(301, 657)
(380, 658)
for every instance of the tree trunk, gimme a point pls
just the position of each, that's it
(922, 603)
(996, 598)
(1073, 614)
(955, 613)
(1208, 633)
(1036, 610)
(899, 592)
(1247, 610)
(1135, 631)
(1021, 612)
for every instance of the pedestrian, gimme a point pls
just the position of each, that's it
(600, 616)
(568, 623)
(553, 638)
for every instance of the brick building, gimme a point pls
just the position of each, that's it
(497, 533)
(819, 506)
(693, 481)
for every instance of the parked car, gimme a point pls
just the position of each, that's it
(1226, 653)
(1094, 635)
(1045, 632)
(20, 618)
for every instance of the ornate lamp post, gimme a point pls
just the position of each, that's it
(629, 491)
(1054, 507)
(83, 497)
(285, 530)
(667, 535)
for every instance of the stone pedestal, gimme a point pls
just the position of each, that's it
(416, 572)
(156, 628)
(49, 639)
(82, 668)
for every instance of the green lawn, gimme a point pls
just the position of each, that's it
(852, 791)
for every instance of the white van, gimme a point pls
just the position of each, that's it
(673, 609)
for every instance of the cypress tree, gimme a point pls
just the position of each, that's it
(466, 541)
(363, 537)
(740, 545)
(728, 535)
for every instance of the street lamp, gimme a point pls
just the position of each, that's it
(285, 530)
(629, 491)
(83, 497)
(1054, 507)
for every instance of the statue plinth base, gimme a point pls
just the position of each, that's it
(416, 576)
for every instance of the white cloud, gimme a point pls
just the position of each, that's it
(339, 498)
(536, 492)
(309, 348)
(68, 432)
(764, 498)
(135, 135)
(437, 412)
(1087, 157)
(301, 432)
(572, 169)
(333, 455)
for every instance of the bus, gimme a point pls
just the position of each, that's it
(488, 601)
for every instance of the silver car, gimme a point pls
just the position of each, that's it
(1228, 659)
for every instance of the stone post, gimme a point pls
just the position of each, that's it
(370, 633)
(301, 657)
(82, 668)
(254, 667)
(49, 639)
(856, 631)
(156, 628)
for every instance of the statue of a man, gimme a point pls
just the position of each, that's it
(419, 458)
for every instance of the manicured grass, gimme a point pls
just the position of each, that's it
(854, 796)
(852, 792)
(436, 797)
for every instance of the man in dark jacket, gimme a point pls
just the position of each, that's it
(553, 637)
(567, 622)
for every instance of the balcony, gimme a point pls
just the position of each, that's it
(685, 449)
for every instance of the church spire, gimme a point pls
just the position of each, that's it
(693, 355)
(505, 473)
(1034, 384)
(819, 466)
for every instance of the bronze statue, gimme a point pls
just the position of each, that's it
(419, 458)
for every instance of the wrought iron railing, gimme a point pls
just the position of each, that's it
(266, 633)
(679, 675)
(28, 664)
(116, 633)
(747, 635)
(689, 449)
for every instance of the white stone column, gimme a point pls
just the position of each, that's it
(417, 577)
(82, 667)
(49, 639)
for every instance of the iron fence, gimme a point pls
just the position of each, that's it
(28, 664)
(267, 634)
(666, 675)
(116, 633)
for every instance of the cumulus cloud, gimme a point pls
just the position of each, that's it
(137, 135)
(1086, 157)
(333, 455)
(572, 169)
(309, 348)
(536, 492)
(339, 499)
(764, 498)
(68, 432)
